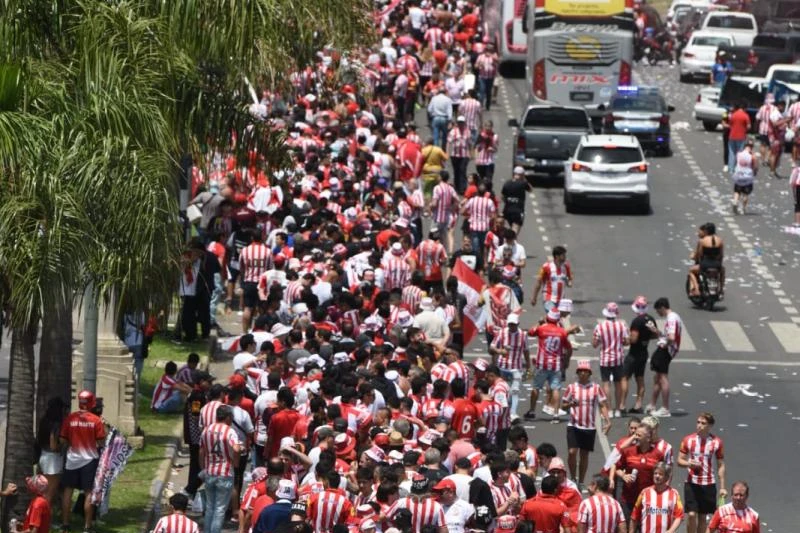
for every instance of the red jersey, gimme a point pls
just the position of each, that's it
(631, 458)
(657, 510)
(600, 514)
(611, 336)
(547, 512)
(176, 523)
(280, 425)
(568, 493)
(703, 450)
(589, 397)
(552, 342)
(554, 280)
(38, 515)
(82, 430)
(728, 519)
(252, 493)
(329, 508)
(465, 415)
(219, 442)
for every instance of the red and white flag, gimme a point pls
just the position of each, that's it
(470, 285)
(231, 344)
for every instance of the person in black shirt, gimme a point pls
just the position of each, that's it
(643, 328)
(514, 192)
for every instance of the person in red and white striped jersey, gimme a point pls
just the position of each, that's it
(444, 207)
(470, 108)
(507, 500)
(658, 508)
(511, 353)
(486, 64)
(208, 413)
(736, 516)
(177, 522)
(254, 260)
(668, 346)
(220, 450)
(500, 392)
(485, 151)
(396, 272)
(480, 209)
(600, 513)
(412, 293)
(329, 507)
(582, 398)
(553, 279)
(425, 511)
(611, 336)
(697, 454)
(459, 144)
(167, 396)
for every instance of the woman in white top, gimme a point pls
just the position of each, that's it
(743, 176)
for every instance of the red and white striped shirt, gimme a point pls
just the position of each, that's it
(481, 211)
(163, 390)
(491, 412)
(600, 514)
(411, 297)
(251, 493)
(589, 397)
(763, 118)
(554, 280)
(486, 151)
(728, 519)
(666, 450)
(444, 202)
(407, 63)
(254, 260)
(500, 392)
(516, 344)
(218, 442)
(611, 336)
(471, 109)
(432, 257)
(552, 341)
(293, 292)
(486, 65)
(437, 407)
(672, 327)
(176, 523)
(704, 450)
(329, 508)
(657, 510)
(434, 37)
(459, 141)
(500, 493)
(208, 413)
(458, 369)
(424, 512)
(396, 273)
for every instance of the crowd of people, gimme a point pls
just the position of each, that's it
(350, 405)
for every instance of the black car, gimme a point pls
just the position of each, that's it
(642, 112)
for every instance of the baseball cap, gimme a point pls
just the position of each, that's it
(556, 463)
(519, 170)
(565, 306)
(237, 381)
(584, 364)
(553, 315)
(286, 490)
(506, 524)
(445, 484)
(513, 318)
(419, 484)
(611, 310)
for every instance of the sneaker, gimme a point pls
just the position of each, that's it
(530, 415)
(649, 408)
(617, 413)
(548, 410)
(562, 412)
(662, 413)
(610, 413)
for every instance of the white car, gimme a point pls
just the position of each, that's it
(741, 27)
(707, 109)
(607, 167)
(700, 53)
(689, 3)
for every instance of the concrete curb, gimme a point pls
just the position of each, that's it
(153, 510)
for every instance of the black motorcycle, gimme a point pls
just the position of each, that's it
(710, 288)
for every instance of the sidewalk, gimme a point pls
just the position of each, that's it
(174, 473)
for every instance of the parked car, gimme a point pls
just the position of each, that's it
(707, 109)
(547, 137)
(607, 167)
(699, 55)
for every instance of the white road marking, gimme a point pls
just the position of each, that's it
(732, 336)
(788, 335)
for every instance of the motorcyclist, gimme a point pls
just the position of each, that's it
(708, 253)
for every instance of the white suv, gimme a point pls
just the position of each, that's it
(607, 167)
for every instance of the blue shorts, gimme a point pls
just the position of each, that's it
(552, 377)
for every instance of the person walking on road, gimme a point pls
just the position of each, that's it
(641, 332)
(739, 121)
(762, 121)
(440, 111)
(669, 343)
(611, 336)
(480, 210)
(552, 355)
(219, 453)
(514, 193)
(486, 64)
(583, 398)
(459, 147)
(697, 454)
(737, 515)
(553, 279)
(600, 513)
(510, 353)
(658, 508)
(486, 144)
(745, 164)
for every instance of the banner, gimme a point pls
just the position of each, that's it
(585, 8)
(113, 459)
(470, 285)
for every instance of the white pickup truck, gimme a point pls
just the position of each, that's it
(741, 27)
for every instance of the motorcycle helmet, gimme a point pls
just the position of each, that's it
(86, 400)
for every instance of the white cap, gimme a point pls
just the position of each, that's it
(392, 375)
(513, 318)
(461, 118)
(426, 303)
(519, 170)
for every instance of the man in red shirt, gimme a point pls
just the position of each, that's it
(552, 356)
(465, 412)
(545, 510)
(37, 517)
(635, 467)
(739, 121)
(82, 431)
(281, 424)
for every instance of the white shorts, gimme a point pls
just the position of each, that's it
(51, 463)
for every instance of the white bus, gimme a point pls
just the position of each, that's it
(504, 26)
(579, 52)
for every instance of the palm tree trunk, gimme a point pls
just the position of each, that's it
(19, 426)
(55, 356)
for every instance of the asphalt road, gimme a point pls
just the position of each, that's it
(752, 338)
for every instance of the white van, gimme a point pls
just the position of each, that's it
(742, 27)
(689, 3)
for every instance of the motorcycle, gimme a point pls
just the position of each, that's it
(658, 47)
(709, 283)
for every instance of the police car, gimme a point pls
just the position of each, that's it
(642, 112)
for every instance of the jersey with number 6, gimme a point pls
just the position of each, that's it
(465, 417)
